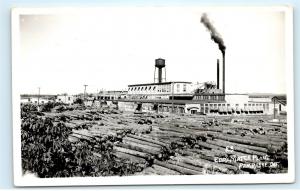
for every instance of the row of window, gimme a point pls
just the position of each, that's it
(145, 88)
(237, 105)
(161, 88)
(253, 104)
(209, 97)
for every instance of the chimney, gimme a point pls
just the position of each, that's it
(218, 74)
(223, 53)
(217, 38)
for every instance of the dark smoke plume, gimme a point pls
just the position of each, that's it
(215, 36)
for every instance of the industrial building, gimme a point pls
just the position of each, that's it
(204, 98)
(163, 90)
(67, 99)
(42, 99)
(207, 98)
(110, 95)
(36, 99)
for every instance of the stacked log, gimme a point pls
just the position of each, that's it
(178, 168)
(161, 170)
(153, 139)
(205, 164)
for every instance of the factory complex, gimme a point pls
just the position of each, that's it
(177, 97)
(160, 95)
(201, 98)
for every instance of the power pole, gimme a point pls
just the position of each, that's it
(38, 106)
(172, 84)
(84, 93)
(274, 108)
(39, 96)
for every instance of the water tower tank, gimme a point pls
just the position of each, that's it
(160, 63)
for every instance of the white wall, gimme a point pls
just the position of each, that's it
(239, 99)
(35, 100)
(68, 99)
(161, 89)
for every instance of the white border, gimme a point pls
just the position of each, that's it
(19, 180)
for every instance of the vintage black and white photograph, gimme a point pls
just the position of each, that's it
(152, 95)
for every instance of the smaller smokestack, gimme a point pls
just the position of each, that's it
(218, 73)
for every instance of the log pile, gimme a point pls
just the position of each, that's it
(163, 144)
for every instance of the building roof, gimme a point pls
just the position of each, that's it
(166, 101)
(26, 96)
(162, 83)
(263, 95)
(112, 92)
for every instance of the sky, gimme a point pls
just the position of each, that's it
(110, 48)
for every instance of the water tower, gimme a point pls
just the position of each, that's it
(160, 65)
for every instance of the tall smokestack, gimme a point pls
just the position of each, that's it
(216, 37)
(218, 73)
(223, 53)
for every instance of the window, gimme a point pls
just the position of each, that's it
(184, 87)
(228, 105)
(69, 98)
(237, 105)
(142, 88)
(178, 87)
